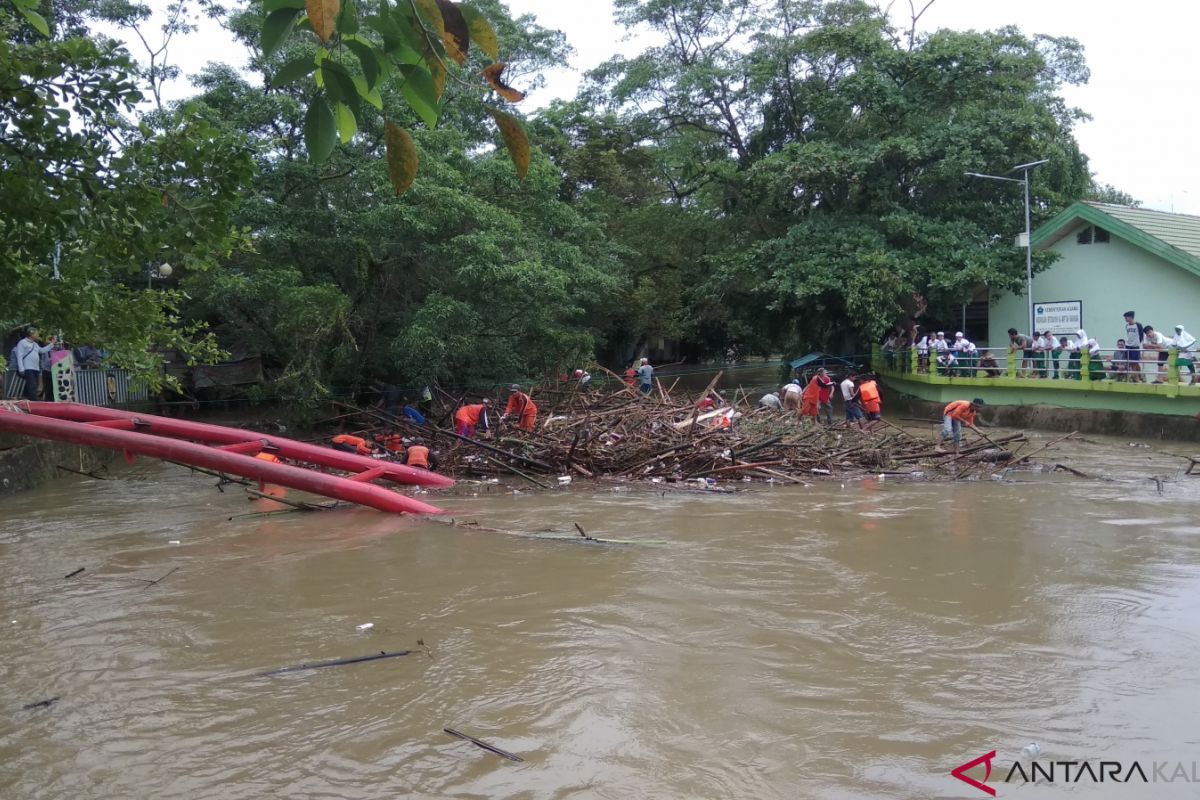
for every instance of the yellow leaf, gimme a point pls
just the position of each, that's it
(438, 72)
(515, 140)
(402, 157)
(432, 16)
(492, 76)
(322, 16)
(455, 33)
(481, 31)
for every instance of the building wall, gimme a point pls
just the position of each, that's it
(1110, 279)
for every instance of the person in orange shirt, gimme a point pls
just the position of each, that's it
(809, 400)
(957, 414)
(523, 406)
(468, 417)
(868, 394)
(352, 444)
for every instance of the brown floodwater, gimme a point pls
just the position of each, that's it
(841, 640)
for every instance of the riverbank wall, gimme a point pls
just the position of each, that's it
(26, 464)
(1137, 425)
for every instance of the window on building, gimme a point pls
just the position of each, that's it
(1092, 234)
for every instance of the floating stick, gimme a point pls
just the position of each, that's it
(490, 748)
(339, 662)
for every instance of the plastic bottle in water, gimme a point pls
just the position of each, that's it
(1031, 750)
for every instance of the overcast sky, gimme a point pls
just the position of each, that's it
(1144, 93)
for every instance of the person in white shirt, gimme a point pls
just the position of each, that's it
(1153, 343)
(947, 362)
(854, 410)
(1071, 346)
(1185, 352)
(29, 361)
(922, 346)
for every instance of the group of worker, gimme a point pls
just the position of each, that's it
(413, 452)
(469, 418)
(860, 394)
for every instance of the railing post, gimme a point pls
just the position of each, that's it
(912, 359)
(1085, 366)
(876, 358)
(1010, 368)
(1172, 367)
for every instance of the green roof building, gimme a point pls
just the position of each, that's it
(1112, 259)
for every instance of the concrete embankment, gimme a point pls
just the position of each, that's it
(1056, 418)
(26, 463)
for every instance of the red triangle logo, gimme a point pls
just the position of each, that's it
(985, 759)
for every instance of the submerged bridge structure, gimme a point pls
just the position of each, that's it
(226, 450)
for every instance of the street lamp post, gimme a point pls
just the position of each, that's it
(1024, 180)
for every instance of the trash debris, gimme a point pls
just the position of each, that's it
(366, 626)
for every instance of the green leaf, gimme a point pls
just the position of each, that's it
(482, 32)
(515, 139)
(402, 157)
(366, 57)
(420, 92)
(347, 20)
(339, 84)
(293, 71)
(36, 20)
(347, 123)
(276, 28)
(371, 95)
(270, 6)
(320, 130)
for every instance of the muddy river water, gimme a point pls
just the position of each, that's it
(842, 640)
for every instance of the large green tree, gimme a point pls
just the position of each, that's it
(827, 151)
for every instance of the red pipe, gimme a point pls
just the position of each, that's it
(305, 480)
(217, 434)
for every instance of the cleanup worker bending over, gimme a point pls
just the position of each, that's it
(352, 444)
(419, 455)
(957, 414)
(468, 417)
(523, 406)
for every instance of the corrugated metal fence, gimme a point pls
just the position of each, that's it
(96, 387)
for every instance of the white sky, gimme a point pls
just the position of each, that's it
(1144, 93)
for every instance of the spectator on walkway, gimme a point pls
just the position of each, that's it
(29, 361)
(1155, 345)
(1020, 347)
(922, 351)
(1072, 348)
(988, 365)
(1135, 335)
(947, 362)
(1185, 353)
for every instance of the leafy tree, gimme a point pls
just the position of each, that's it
(90, 201)
(830, 149)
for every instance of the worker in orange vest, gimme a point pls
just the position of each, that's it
(523, 406)
(468, 417)
(630, 376)
(393, 443)
(957, 414)
(352, 444)
(868, 393)
(420, 456)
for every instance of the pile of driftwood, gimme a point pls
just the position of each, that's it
(668, 437)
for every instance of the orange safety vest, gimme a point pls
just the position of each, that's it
(354, 441)
(630, 376)
(868, 392)
(418, 456)
(960, 410)
(392, 442)
(520, 404)
(469, 415)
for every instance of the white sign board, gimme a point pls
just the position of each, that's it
(1058, 317)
